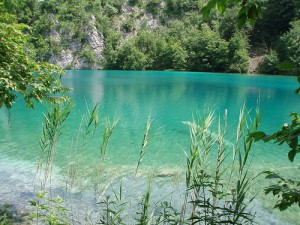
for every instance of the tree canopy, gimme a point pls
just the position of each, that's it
(173, 26)
(250, 10)
(20, 74)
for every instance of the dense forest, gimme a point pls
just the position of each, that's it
(160, 35)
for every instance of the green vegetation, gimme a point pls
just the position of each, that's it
(48, 211)
(163, 35)
(52, 130)
(180, 41)
(20, 72)
(249, 10)
(209, 180)
(287, 190)
(215, 192)
(278, 30)
(6, 214)
(145, 143)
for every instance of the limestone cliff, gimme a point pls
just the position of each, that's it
(87, 51)
(72, 53)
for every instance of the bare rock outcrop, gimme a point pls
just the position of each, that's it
(95, 39)
(71, 54)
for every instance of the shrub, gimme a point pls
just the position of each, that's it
(153, 6)
(207, 51)
(289, 48)
(6, 214)
(238, 56)
(110, 10)
(269, 64)
(128, 25)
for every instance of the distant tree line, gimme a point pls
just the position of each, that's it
(181, 40)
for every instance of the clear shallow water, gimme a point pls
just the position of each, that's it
(170, 98)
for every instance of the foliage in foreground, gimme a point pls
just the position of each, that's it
(6, 214)
(48, 211)
(287, 190)
(19, 72)
(217, 179)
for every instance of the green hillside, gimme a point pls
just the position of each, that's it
(159, 35)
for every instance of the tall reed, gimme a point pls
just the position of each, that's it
(143, 215)
(209, 178)
(216, 184)
(51, 130)
(88, 126)
(108, 130)
(145, 143)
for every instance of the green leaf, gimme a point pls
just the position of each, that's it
(15, 58)
(286, 66)
(259, 135)
(33, 203)
(211, 4)
(252, 22)
(294, 141)
(205, 12)
(206, 9)
(292, 155)
(40, 195)
(252, 12)
(272, 175)
(243, 10)
(241, 20)
(221, 4)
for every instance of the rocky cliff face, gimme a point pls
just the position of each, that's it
(75, 53)
(95, 40)
(72, 52)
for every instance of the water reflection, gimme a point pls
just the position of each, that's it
(135, 95)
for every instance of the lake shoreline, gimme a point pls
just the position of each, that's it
(18, 188)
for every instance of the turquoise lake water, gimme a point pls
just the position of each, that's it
(170, 98)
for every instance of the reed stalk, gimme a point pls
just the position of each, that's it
(222, 147)
(201, 143)
(216, 193)
(51, 130)
(243, 183)
(144, 217)
(145, 143)
(108, 130)
(88, 126)
(207, 185)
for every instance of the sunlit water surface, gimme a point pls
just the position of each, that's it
(170, 98)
